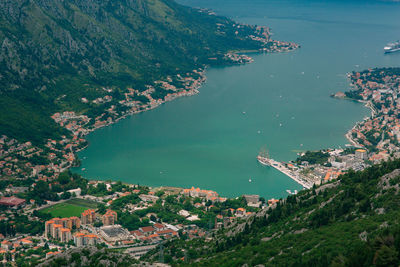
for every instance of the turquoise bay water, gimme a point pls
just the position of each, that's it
(207, 141)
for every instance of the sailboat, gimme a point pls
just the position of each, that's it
(263, 158)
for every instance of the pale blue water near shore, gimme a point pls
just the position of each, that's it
(206, 140)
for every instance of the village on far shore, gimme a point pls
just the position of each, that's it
(373, 140)
(25, 159)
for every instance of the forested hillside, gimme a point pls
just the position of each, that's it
(353, 221)
(54, 52)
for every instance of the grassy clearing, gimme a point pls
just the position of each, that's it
(72, 207)
(83, 203)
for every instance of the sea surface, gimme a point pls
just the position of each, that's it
(207, 141)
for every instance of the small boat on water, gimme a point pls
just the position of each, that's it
(250, 180)
(83, 169)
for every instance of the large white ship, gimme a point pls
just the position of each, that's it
(392, 47)
(263, 158)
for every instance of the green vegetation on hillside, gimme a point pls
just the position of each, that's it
(92, 256)
(56, 52)
(349, 222)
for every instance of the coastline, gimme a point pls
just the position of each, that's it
(280, 167)
(235, 58)
(59, 155)
(348, 135)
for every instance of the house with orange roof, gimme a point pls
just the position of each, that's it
(65, 235)
(167, 233)
(138, 234)
(147, 230)
(159, 227)
(272, 201)
(6, 245)
(51, 253)
(240, 212)
(109, 218)
(197, 205)
(26, 242)
(88, 216)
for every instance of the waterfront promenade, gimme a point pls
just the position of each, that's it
(295, 176)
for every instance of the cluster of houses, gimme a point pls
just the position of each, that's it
(154, 233)
(11, 152)
(201, 193)
(381, 88)
(61, 228)
(16, 157)
(20, 160)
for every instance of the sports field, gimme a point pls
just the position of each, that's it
(72, 207)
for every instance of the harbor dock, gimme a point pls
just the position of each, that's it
(283, 169)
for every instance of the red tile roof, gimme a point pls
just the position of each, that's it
(147, 229)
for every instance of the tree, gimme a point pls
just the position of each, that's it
(386, 257)
(64, 178)
(66, 195)
(160, 193)
(101, 208)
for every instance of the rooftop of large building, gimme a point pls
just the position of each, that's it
(11, 201)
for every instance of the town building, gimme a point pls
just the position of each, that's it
(109, 218)
(12, 201)
(252, 200)
(65, 235)
(88, 216)
(114, 233)
(6, 245)
(148, 198)
(207, 194)
(240, 212)
(81, 239)
(361, 154)
(147, 230)
(53, 228)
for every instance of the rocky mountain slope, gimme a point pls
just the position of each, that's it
(54, 52)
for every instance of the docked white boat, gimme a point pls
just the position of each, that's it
(263, 158)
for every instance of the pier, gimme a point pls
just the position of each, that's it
(283, 169)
